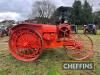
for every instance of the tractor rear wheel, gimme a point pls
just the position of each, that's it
(25, 44)
(84, 52)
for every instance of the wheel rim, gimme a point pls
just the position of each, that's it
(25, 44)
(82, 53)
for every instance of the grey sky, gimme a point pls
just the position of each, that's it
(23, 7)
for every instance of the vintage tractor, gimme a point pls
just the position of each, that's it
(3, 31)
(90, 28)
(27, 41)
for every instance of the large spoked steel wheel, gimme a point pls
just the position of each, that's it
(83, 48)
(25, 44)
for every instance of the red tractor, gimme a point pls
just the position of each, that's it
(27, 41)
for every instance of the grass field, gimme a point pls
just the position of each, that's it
(49, 63)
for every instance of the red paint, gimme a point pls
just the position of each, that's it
(28, 40)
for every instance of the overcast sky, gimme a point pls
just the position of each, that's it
(20, 9)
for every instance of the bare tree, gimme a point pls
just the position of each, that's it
(43, 8)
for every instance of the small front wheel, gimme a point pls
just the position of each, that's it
(84, 52)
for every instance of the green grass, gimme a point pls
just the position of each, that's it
(49, 63)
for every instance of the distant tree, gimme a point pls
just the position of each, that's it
(96, 16)
(55, 17)
(42, 9)
(77, 12)
(87, 13)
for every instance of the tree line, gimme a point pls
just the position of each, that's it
(46, 11)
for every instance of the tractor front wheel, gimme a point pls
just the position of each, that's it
(83, 51)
